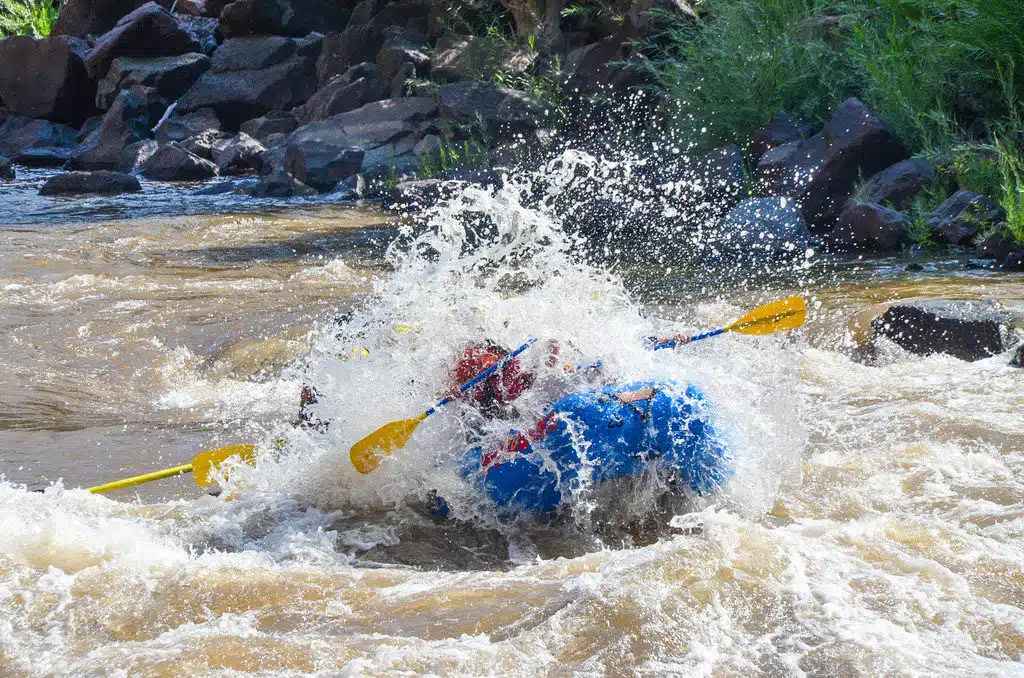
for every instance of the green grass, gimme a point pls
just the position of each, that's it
(28, 17)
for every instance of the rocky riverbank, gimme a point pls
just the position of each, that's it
(383, 101)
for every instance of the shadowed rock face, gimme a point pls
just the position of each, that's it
(102, 182)
(173, 163)
(958, 220)
(867, 227)
(126, 123)
(46, 79)
(170, 77)
(36, 142)
(969, 330)
(897, 185)
(80, 18)
(149, 31)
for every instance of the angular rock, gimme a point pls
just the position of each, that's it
(202, 144)
(764, 228)
(88, 127)
(361, 42)
(274, 122)
(589, 68)
(203, 30)
(173, 163)
(338, 96)
(6, 171)
(81, 18)
(251, 53)
(281, 17)
(180, 127)
(958, 220)
(321, 166)
(868, 227)
(134, 155)
(996, 246)
(897, 185)
(820, 172)
(968, 330)
(102, 182)
(149, 31)
(395, 54)
(238, 96)
(170, 77)
(237, 155)
(46, 79)
(280, 184)
(126, 123)
(495, 105)
(781, 129)
(36, 142)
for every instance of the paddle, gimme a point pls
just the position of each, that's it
(202, 466)
(367, 454)
(778, 316)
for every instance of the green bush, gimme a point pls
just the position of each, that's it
(28, 17)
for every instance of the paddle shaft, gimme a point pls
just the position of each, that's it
(705, 335)
(138, 480)
(480, 377)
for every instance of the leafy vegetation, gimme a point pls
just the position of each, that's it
(943, 74)
(28, 17)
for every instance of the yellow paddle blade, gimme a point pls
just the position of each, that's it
(367, 454)
(778, 316)
(205, 463)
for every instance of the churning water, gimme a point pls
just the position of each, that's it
(875, 524)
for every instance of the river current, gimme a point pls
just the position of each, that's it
(875, 524)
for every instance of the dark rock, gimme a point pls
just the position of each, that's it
(201, 8)
(764, 228)
(237, 155)
(88, 127)
(134, 155)
(180, 127)
(310, 45)
(280, 184)
(781, 129)
(149, 31)
(36, 142)
(6, 171)
(238, 96)
(274, 122)
(81, 18)
(46, 79)
(203, 30)
(251, 53)
(493, 104)
(338, 97)
(867, 227)
(126, 123)
(361, 42)
(418, 194)
(969, 330)
(1014, 261)
(640, 23)
(899, 184)
(281, 17)
(958, 220)
(202, 144)
(1018, 357)
(589, 68)
(102, 181)
(169, 76)
(395, 54)
(820, 172)
(996, 246)
(321, 166)
(173, 163)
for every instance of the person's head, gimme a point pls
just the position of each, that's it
(500, 388)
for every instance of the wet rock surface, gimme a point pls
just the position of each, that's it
(968, 330)
(46, 78)
(101, 181)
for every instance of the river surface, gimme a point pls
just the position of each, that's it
(874, 526)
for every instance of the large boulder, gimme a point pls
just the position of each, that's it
(371, 26)
(501, 107)
(820, 172)
(251, 88)
(355, 88)
(898, 185)
(173, 163)
(590, 68)
(126, 123)
(279, 184)
(102, 182)
(869, 227)
(36, 142)
(149, 31)
(81, 18)
(134, 155)
(395, 54)
(763, 228)
(958, 220)
(170, 77)
(274, 122)
(281, 17)
(969, 330)
(46, 79)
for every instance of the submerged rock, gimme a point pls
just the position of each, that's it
(101, 181)
(969, 330)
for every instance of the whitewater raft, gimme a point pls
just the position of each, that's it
(592, 437)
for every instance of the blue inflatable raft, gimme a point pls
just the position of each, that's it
(591, 437)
